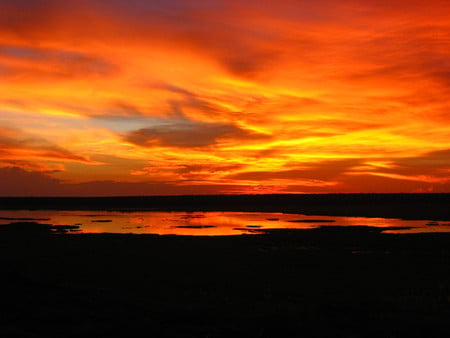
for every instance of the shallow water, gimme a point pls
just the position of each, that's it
(205, 223)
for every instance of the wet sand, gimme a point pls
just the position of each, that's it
(326, 282)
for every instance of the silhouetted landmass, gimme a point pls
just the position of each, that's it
(329, 281)
(407, 206)
(312, 221)
(432, 224)
(194, 226)
(192, 216)
(23, 219)
(324, 282)
(27, 229)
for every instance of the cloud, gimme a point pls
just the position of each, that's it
(187, 101)
(120, 110)
(194, 84)
(425, 173)
(382, 184)
(189, 134)
(431, 166)
(18, 182)
(187, 173)
(22, 63)
(15, 145)
(328, 170)
(214, 29)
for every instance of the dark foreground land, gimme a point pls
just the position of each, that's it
(407, 206)
(327, 282)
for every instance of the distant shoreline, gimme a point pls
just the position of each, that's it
(427, 206)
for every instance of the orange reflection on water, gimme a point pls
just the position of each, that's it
(207, 223)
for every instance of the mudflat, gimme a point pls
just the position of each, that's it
(325, 282)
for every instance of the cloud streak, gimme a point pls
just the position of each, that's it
(190, 134)
(285, 96)
(36, 65)
(14, 144)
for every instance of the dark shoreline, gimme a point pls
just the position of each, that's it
(326, 282)
(406, 206)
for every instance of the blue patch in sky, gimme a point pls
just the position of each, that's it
(122, 124)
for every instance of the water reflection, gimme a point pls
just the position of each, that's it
(206, 223)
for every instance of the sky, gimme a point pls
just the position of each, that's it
(131, 97)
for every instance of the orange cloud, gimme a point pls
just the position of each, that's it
(14, 144)
(227, 96)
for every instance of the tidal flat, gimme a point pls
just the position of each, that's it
(327, 281)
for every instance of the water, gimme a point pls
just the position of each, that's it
(205, 223)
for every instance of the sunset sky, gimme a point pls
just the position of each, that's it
(133, 97)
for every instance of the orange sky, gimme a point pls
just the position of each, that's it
(130, 97)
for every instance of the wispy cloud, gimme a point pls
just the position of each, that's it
(15, 144)
(287, 96)
(21, 63)
(185, 133)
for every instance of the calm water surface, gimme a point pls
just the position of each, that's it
(204, 223)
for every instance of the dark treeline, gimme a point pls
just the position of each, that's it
(407, 206)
